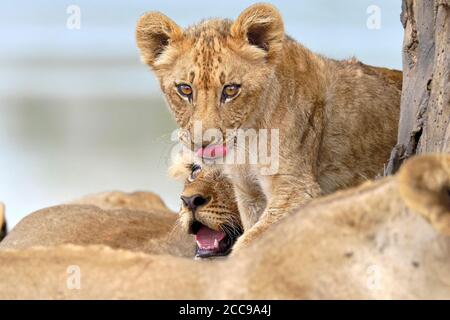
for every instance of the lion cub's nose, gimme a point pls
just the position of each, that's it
(194, 202)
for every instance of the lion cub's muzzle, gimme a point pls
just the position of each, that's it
(210, 242)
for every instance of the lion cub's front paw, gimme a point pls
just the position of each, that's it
(241, 243)
(246, 240)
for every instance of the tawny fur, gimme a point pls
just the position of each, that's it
(376, 241)
(136, 221)
(337, 120)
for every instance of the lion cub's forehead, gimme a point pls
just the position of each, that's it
(206, 31)
(209, 46)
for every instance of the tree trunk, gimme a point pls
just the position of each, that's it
(425, 105)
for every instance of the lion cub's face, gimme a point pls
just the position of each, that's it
(209, 211)
(218, 72)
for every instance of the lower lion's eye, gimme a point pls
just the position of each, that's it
(230, 91)
(184, 90)
(195, 171)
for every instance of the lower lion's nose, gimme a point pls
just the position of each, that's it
(194, 202)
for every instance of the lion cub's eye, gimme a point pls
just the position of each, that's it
(195, 171)
(184, 90)
(230, 91)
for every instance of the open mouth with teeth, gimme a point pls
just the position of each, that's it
(212, 243)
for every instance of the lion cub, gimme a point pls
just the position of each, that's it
(336, 121)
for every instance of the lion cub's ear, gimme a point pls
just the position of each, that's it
(181, 166)
(154, 34)
(179, 171)
(424, 184)
(261, 25)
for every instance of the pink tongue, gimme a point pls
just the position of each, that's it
(212, 152)
(206, 238)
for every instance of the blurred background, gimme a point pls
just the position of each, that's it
(80, 114)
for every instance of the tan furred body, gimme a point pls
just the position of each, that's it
(337, 120)
(388, 239)
(137, 221)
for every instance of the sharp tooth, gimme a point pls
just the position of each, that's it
(198, 244)
(216, 243)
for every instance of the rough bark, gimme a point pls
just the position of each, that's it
(425, 105)
(3, 228)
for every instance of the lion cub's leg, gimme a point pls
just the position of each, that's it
(287, 194)
(424, 184)
(249, 195)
